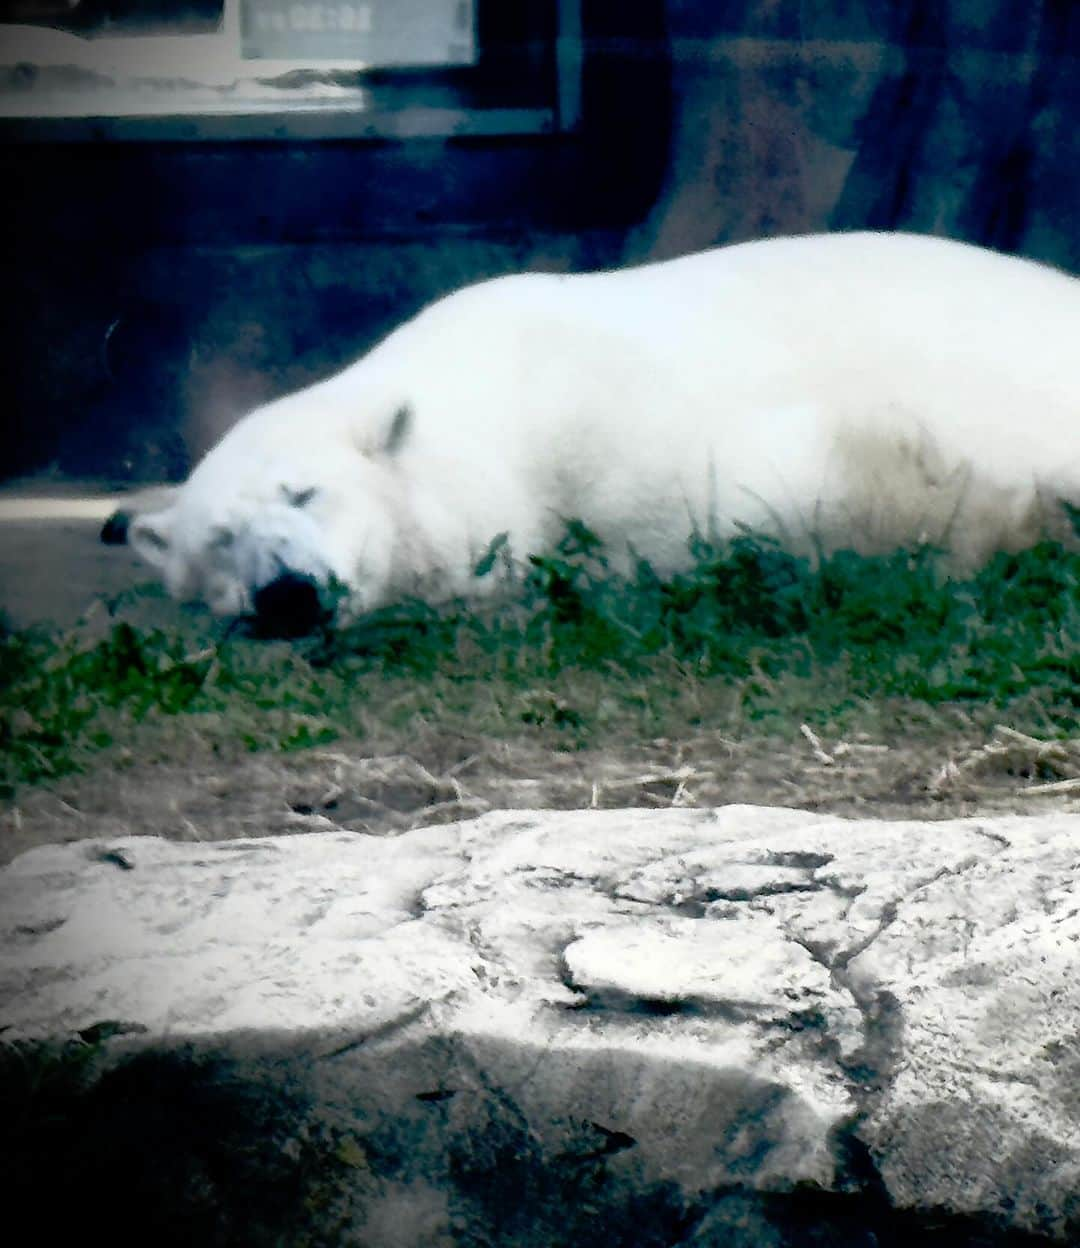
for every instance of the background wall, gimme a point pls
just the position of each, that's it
(155, 292)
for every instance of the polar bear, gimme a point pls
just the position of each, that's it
(861, 390)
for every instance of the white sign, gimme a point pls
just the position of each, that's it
(377, 32)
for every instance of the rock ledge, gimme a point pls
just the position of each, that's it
(745, 1026)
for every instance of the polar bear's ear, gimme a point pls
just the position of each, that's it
(388, 439)
(151, 536)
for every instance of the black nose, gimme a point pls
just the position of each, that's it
(288, 606)
(114, 532)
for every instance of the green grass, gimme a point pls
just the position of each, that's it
(580, 655)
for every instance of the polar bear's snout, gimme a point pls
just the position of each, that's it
(274, 559)
(289, 606)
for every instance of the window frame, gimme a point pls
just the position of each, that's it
(335, 121)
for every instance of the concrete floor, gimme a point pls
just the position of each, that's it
(53, 565)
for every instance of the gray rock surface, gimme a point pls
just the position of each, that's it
(745, 1026)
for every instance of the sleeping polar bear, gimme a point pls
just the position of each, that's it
(849, 390)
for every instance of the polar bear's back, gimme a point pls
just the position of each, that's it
(866, 297)
(742, 382)
(852, 323)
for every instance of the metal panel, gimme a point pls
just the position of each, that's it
(295, 124)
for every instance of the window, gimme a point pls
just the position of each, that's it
(287, 69)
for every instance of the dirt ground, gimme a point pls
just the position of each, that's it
(53, 566)
(385, 788)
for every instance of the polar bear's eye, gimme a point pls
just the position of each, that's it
(221, 538)
(299, 498)
(145, 532)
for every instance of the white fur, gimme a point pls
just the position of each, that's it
(863, 390)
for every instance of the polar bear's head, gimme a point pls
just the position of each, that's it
(256, 531)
